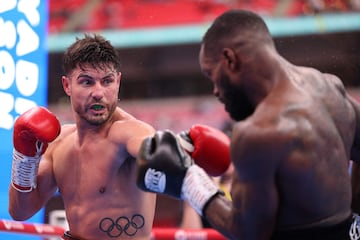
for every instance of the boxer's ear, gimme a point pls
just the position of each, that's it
(118, 77)
(66, 85)
(230, 60)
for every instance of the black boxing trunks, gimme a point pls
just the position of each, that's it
(339, 231)
(67, 236)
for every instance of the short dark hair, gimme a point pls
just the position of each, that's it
(232, 23)
(91, 49)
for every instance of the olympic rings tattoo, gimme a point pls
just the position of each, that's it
(122, 225)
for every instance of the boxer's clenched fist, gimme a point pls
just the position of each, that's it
(209, 147)
(163, 166)
(33, 130)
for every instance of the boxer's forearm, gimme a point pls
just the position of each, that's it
(219, 215)
(22, 206)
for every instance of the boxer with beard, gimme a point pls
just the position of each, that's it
(297, 130)
(91, 162)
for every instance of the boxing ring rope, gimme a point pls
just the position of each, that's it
(157, 233)
(186, 234)
(30, 228)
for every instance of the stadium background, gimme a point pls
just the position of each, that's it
(158, 41)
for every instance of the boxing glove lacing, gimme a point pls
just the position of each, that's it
(25, 169)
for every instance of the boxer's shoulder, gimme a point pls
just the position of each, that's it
(66, 131)
(129, 126)
(68, 128)
(121, 115)
(255, 139)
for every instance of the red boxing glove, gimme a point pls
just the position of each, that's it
(209, 147)
(33, 130)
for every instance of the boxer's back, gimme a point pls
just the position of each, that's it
(309, 124)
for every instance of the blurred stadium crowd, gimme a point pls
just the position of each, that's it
(94, 15)
(176, 113)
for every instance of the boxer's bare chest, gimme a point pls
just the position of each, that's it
(90, 169)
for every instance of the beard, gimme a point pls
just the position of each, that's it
(236, 102)
(97, 119)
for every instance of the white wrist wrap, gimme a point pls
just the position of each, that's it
(198, 188)
(24, 170)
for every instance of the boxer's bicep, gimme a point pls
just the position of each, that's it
(46, 180)
(254, 193)
(130, 133)
(136, 135)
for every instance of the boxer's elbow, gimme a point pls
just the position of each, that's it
(17, 214)
(19, 210)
